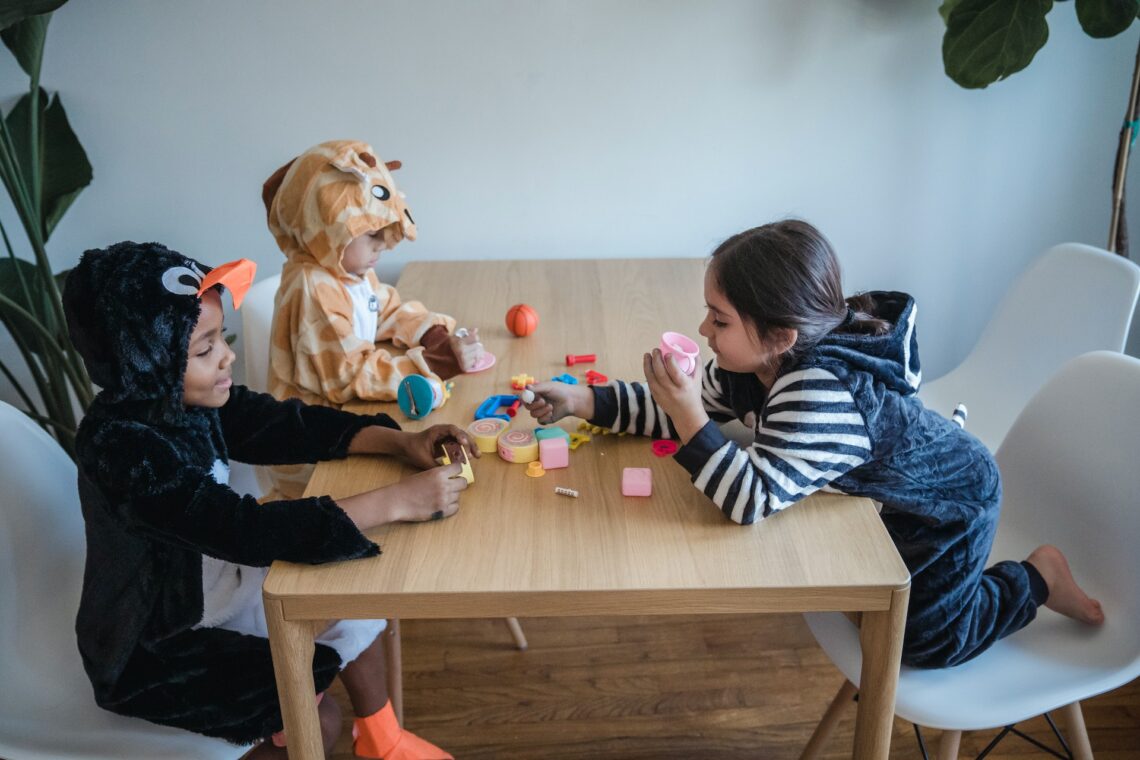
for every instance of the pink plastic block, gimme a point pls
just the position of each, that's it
(636, 481)
(554, 453)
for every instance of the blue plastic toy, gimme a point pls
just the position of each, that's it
(568, 379)
(491, 407)
(415, 396)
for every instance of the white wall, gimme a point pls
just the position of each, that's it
(599, 129)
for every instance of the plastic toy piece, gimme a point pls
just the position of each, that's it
(486, 432)
(636, 481)
(577, 439)
(522, 320)
(493, 404)
(564, 378)
(518, 446)
(528, 396)
(486, 361)
(534, 470)
(520, 382)
(684, 350)
(550, 432)
(595, 378)
(565, 491)
(664, 448)
(554, 453)
(571, 359)
(417, 395)
(453, 451)
(595, 429)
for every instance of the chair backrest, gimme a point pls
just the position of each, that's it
(1072, 300)
(42, 551)
(47, 707)
(1070, 477)
(256, 323)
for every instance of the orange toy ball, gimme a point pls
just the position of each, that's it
(522, 320)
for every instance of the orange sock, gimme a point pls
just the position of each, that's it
(380, 736)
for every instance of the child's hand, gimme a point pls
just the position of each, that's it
(430, 495)
(422, 448)
(678, 395)
(467, 348)
(553, 401)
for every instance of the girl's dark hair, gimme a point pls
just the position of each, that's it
(785, 274)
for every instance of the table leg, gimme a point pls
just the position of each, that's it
(881, 639)
(394, 664)
(291, 642)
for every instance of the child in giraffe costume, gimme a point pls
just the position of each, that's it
(333, 210)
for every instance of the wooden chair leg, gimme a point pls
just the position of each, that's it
(1078, 734)
(517, 632)
(828, 722)
(395, 667)
(948, 745)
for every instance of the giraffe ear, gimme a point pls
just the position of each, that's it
(393, 165)
(272, 185)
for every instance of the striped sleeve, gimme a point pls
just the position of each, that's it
(629, 408)
(810, 433)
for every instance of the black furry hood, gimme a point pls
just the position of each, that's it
(131, 309)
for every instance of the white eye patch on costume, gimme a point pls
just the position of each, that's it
(183, 281)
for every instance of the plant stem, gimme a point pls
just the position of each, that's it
(1117, 241)
(31, 407)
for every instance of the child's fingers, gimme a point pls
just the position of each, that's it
(472, 449)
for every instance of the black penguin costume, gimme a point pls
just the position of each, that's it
(153, 506)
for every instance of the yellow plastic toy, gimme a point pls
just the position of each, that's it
(460, 456)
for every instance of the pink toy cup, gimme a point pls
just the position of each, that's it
(685, 351)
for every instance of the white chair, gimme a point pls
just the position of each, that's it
(256, 323)
(47, 708)
(1072, 300)
(1069, 479)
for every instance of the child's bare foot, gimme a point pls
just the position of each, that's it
(1065, 596)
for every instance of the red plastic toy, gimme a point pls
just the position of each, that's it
(572, 359)
(522, 320)
(595, 378)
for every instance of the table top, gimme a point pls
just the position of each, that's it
(515, 548)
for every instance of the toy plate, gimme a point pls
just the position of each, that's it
(485, 362)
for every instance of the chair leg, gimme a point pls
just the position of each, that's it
(828, 722)
(395, 667)
(948, 745)
(517, 633)
(1078, 734)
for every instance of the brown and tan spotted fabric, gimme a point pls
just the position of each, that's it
(317, 204)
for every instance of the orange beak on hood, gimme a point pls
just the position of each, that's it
(236, 276)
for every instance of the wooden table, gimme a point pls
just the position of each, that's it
(517, 549)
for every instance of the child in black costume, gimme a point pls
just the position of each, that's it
(171, 626)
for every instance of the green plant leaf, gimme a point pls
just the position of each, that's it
(987, 40)
(14, 11)
(66, 170)
(1106, 18)
(26, 41)
(39, 306)
(946, 9)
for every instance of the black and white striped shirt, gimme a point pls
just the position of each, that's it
(809, 432)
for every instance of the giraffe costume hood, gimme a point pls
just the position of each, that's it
(316, 205)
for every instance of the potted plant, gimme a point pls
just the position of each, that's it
(988, 40)
(44, 168)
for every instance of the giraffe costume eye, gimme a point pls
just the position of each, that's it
(381, 192)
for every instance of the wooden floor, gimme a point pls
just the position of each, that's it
(659, 687)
